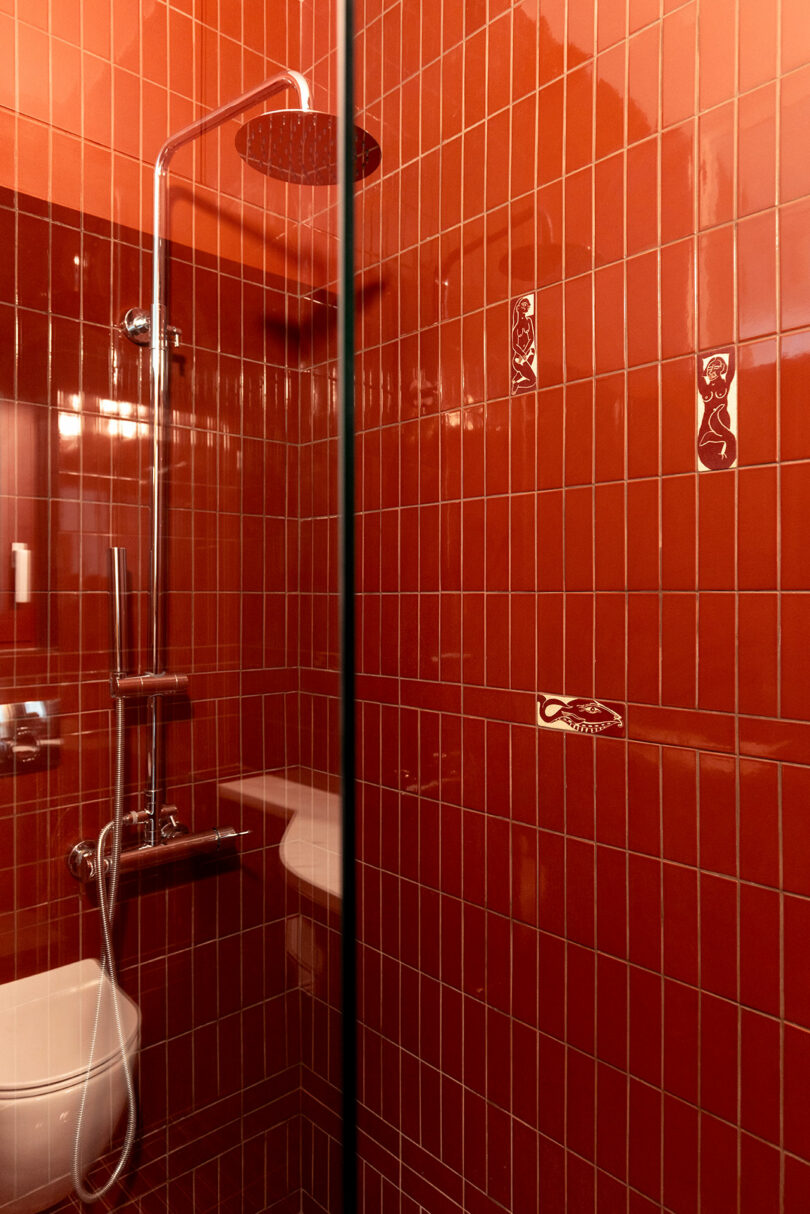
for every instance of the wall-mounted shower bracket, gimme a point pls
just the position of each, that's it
(137, 326)
(221, 840)
(129, 685)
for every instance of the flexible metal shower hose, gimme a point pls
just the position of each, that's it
(107, 894)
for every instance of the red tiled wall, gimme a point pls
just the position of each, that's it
(90, 91)
(583, 958)
(203, 950)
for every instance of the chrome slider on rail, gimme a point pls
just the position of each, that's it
(149, 684)
(218, 840)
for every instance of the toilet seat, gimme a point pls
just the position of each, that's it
(46, 1030)
(9, 1092)
(32, 1066)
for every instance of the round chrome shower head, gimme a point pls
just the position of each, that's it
(301, 146)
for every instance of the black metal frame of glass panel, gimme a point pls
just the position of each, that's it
(346, 388)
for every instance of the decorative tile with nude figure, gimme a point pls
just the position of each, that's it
(717, 392)
(524, 345)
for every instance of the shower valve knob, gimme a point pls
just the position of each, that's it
(137, 326)
(170, 825)
(26, 746)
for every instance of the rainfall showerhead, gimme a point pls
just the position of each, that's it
(301, 146)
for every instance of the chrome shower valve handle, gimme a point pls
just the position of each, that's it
(137, 326)
(129, 685)
(170, 825)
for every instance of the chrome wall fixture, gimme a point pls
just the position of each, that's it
(219, 840)
(28, 735)
(309, 156)
(300, 146)
(154, 329)
(164, 838)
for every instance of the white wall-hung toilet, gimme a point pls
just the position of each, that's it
(46, 1029)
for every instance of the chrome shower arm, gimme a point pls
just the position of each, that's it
(158, 344)
(287, 79)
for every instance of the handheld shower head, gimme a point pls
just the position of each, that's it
(301, 146)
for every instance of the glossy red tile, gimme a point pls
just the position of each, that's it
(756, 171)
(760, 1182)
(644, 1164)
(680, 1154)
(759, 948)
(716, 652)
(578, 333)
(609, 327)
(679, 805)
(642, 178)
(757, 402)
(795, 488)
(795, 440)
(678, 64)
(795, 923)
(793, 660)
(643, 84)
(793, 237)
(718, 927)
(678, 421)
(677, 182)
(644, 911)
(716, 538)
(716, 82)
(759, 36)
(762, 738)
(611, 1120)
(643, 801)
(677, 299)
(718, 813)
(609, 415)
(609, 537)
(609, 216)
(578, 505)
(756, 276)
(579, 117)
(610, 92)
(550, 115)
(796, 1063)
(642, 310)
(678, 533)
(758, 653)
(680, 901)
(612, 22)
(643, 543)
(718, 1144)
(797, 1184)
(718, 1056)
(715, 280)
(716, 150)
(643, 649)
